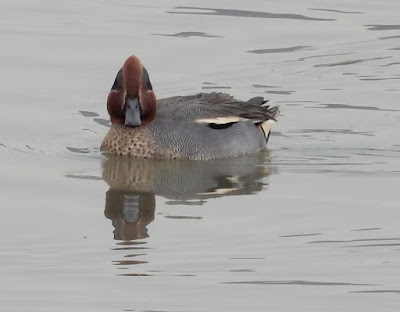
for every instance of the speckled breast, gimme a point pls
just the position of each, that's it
(135, 142)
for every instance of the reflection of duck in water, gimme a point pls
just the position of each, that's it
(130, 201)
(202, 126)
(130, 213)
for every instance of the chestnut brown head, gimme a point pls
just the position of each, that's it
(131, 100)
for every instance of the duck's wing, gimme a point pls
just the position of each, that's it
(219, 109)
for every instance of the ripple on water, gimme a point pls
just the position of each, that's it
(383, 242)
(376, 291)
(351, 62)
(301, 235)
(298, 282)
(242, 13)
(188, 34)
(347, 106)
(382, 27)
(213, 85)
(337, 11)
(280, 50)
(88, 114)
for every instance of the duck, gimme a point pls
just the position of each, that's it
(203, 126)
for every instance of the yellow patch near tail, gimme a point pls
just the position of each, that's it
(267, 125)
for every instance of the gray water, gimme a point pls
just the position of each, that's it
(310, 225)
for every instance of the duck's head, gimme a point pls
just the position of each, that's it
(131, 101)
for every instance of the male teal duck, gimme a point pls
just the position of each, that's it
(202, 126)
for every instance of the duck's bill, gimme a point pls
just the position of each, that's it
(132, 113)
